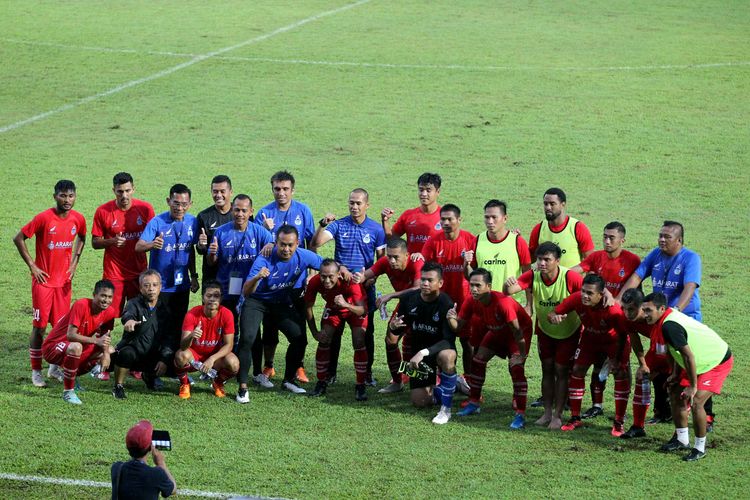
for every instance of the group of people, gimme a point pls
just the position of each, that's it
(489, 293)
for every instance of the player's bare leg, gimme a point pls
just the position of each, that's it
(548, 390)
(562, 373)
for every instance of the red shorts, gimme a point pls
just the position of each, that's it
(503, 343)
(124, 290)
(657, 359)
(49, 304)
(561, 350)
(337, 321)
(474, 329)
(54, 354)
(598, 347)
(713, 379)
(199, 356)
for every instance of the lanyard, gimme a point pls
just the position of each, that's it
(177, 236)
(238, 248)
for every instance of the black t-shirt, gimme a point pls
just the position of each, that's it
(426, 321)
(210, 219)
(139, 481)
(674, 334)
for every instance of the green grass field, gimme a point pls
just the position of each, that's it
(639, 110)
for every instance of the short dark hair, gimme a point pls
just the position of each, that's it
(484, 273)
(328, 262)
(673, 223)
(548, 247)
(594, 279)
(397, 243)
(147, 273)
(658, 298)
(287, 229)
(210, 284)
(497, 204)
(450, 207)
(103, 285)
(121, 178)
(428, 178)
(180, 189)
(361, 191)
(431, 265)
(65, 185)
(282, 175)
(617, 226)
(138, 452)
(222, 178)
(556, 192)
(632, 296)
(242, 196)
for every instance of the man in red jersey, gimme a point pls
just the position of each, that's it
(615, 265)
(419, 223)
(78, 342)
(451, 249)
(403, 273)
(506, 333)
(207, 338)
(346, 303)
(117, 227)
(60, 236)
(603, 336)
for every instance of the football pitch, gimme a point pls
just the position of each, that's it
(638, 110)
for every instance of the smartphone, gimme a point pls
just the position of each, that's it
(161, 440)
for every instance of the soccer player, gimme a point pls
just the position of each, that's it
(77, 341)
(702, 360)
(117, 227)
(498, 250)
(423, 314)
(60, 236)
(207, 338)
(269, 290)
(615, 265)
(603, 335)
(211, 218)
(450, 249)
(346, 303)
(359, 240)
(506, 333)
(171, 238)
(404, 275)
(551, 283)
(571, 235)
(419, 223)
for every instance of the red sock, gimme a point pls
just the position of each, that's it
(622, 393)
(476, 380)
(70, 370)
(182, 373)
(641, 402)
(322, 360)
(597, 390)
(360, 364)
(35, 355)
(406, 346)
(576, 389)
(224, 375)
(520, 388)
(393, 356)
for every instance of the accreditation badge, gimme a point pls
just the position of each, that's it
(235, 284)
(178, 278)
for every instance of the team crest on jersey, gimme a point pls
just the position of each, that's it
(298, 220)
(252, 243)
(139, 221)
(73, 231)
(436, 317)
(438, 227)
(678, 269)
(190, 232)
(168, 248)
(621, 274)
(366, 238)
(51, 246)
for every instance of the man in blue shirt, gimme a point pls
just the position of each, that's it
(269, 292)
(359, 241)
(170, 237)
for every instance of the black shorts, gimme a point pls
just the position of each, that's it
(430, 361)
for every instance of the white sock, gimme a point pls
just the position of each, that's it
(683, 435)
(700, 444)
(597, 405)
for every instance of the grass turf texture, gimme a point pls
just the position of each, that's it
(544, 94)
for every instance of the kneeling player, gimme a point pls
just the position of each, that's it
(507, 330)
(346, 303)
(423, 314)
(207, 337)
(77, 343)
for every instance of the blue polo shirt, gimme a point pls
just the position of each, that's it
(284, 276)
(356, 243)
(172, 260)
(298, 215)
(237, 251)
(669, 275)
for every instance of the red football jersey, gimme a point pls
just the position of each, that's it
(80, 316)
(497, 314)
(596, 320)
(54, 242)
(583, 236)
(418, 227)
(352, 293)
(214, 329)
(400, 280)
(122, 263)
(450, 254)
(614, 271)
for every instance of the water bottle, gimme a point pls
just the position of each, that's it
(383, 309)
(646, 389)
(198, 365)
(96, 370)
(604, 372)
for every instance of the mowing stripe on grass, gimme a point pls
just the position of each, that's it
(100, 484)
(186, 64)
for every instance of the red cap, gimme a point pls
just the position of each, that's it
(139, 436)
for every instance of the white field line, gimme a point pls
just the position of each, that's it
(100, 484)
(166, 72)
(460, 67)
